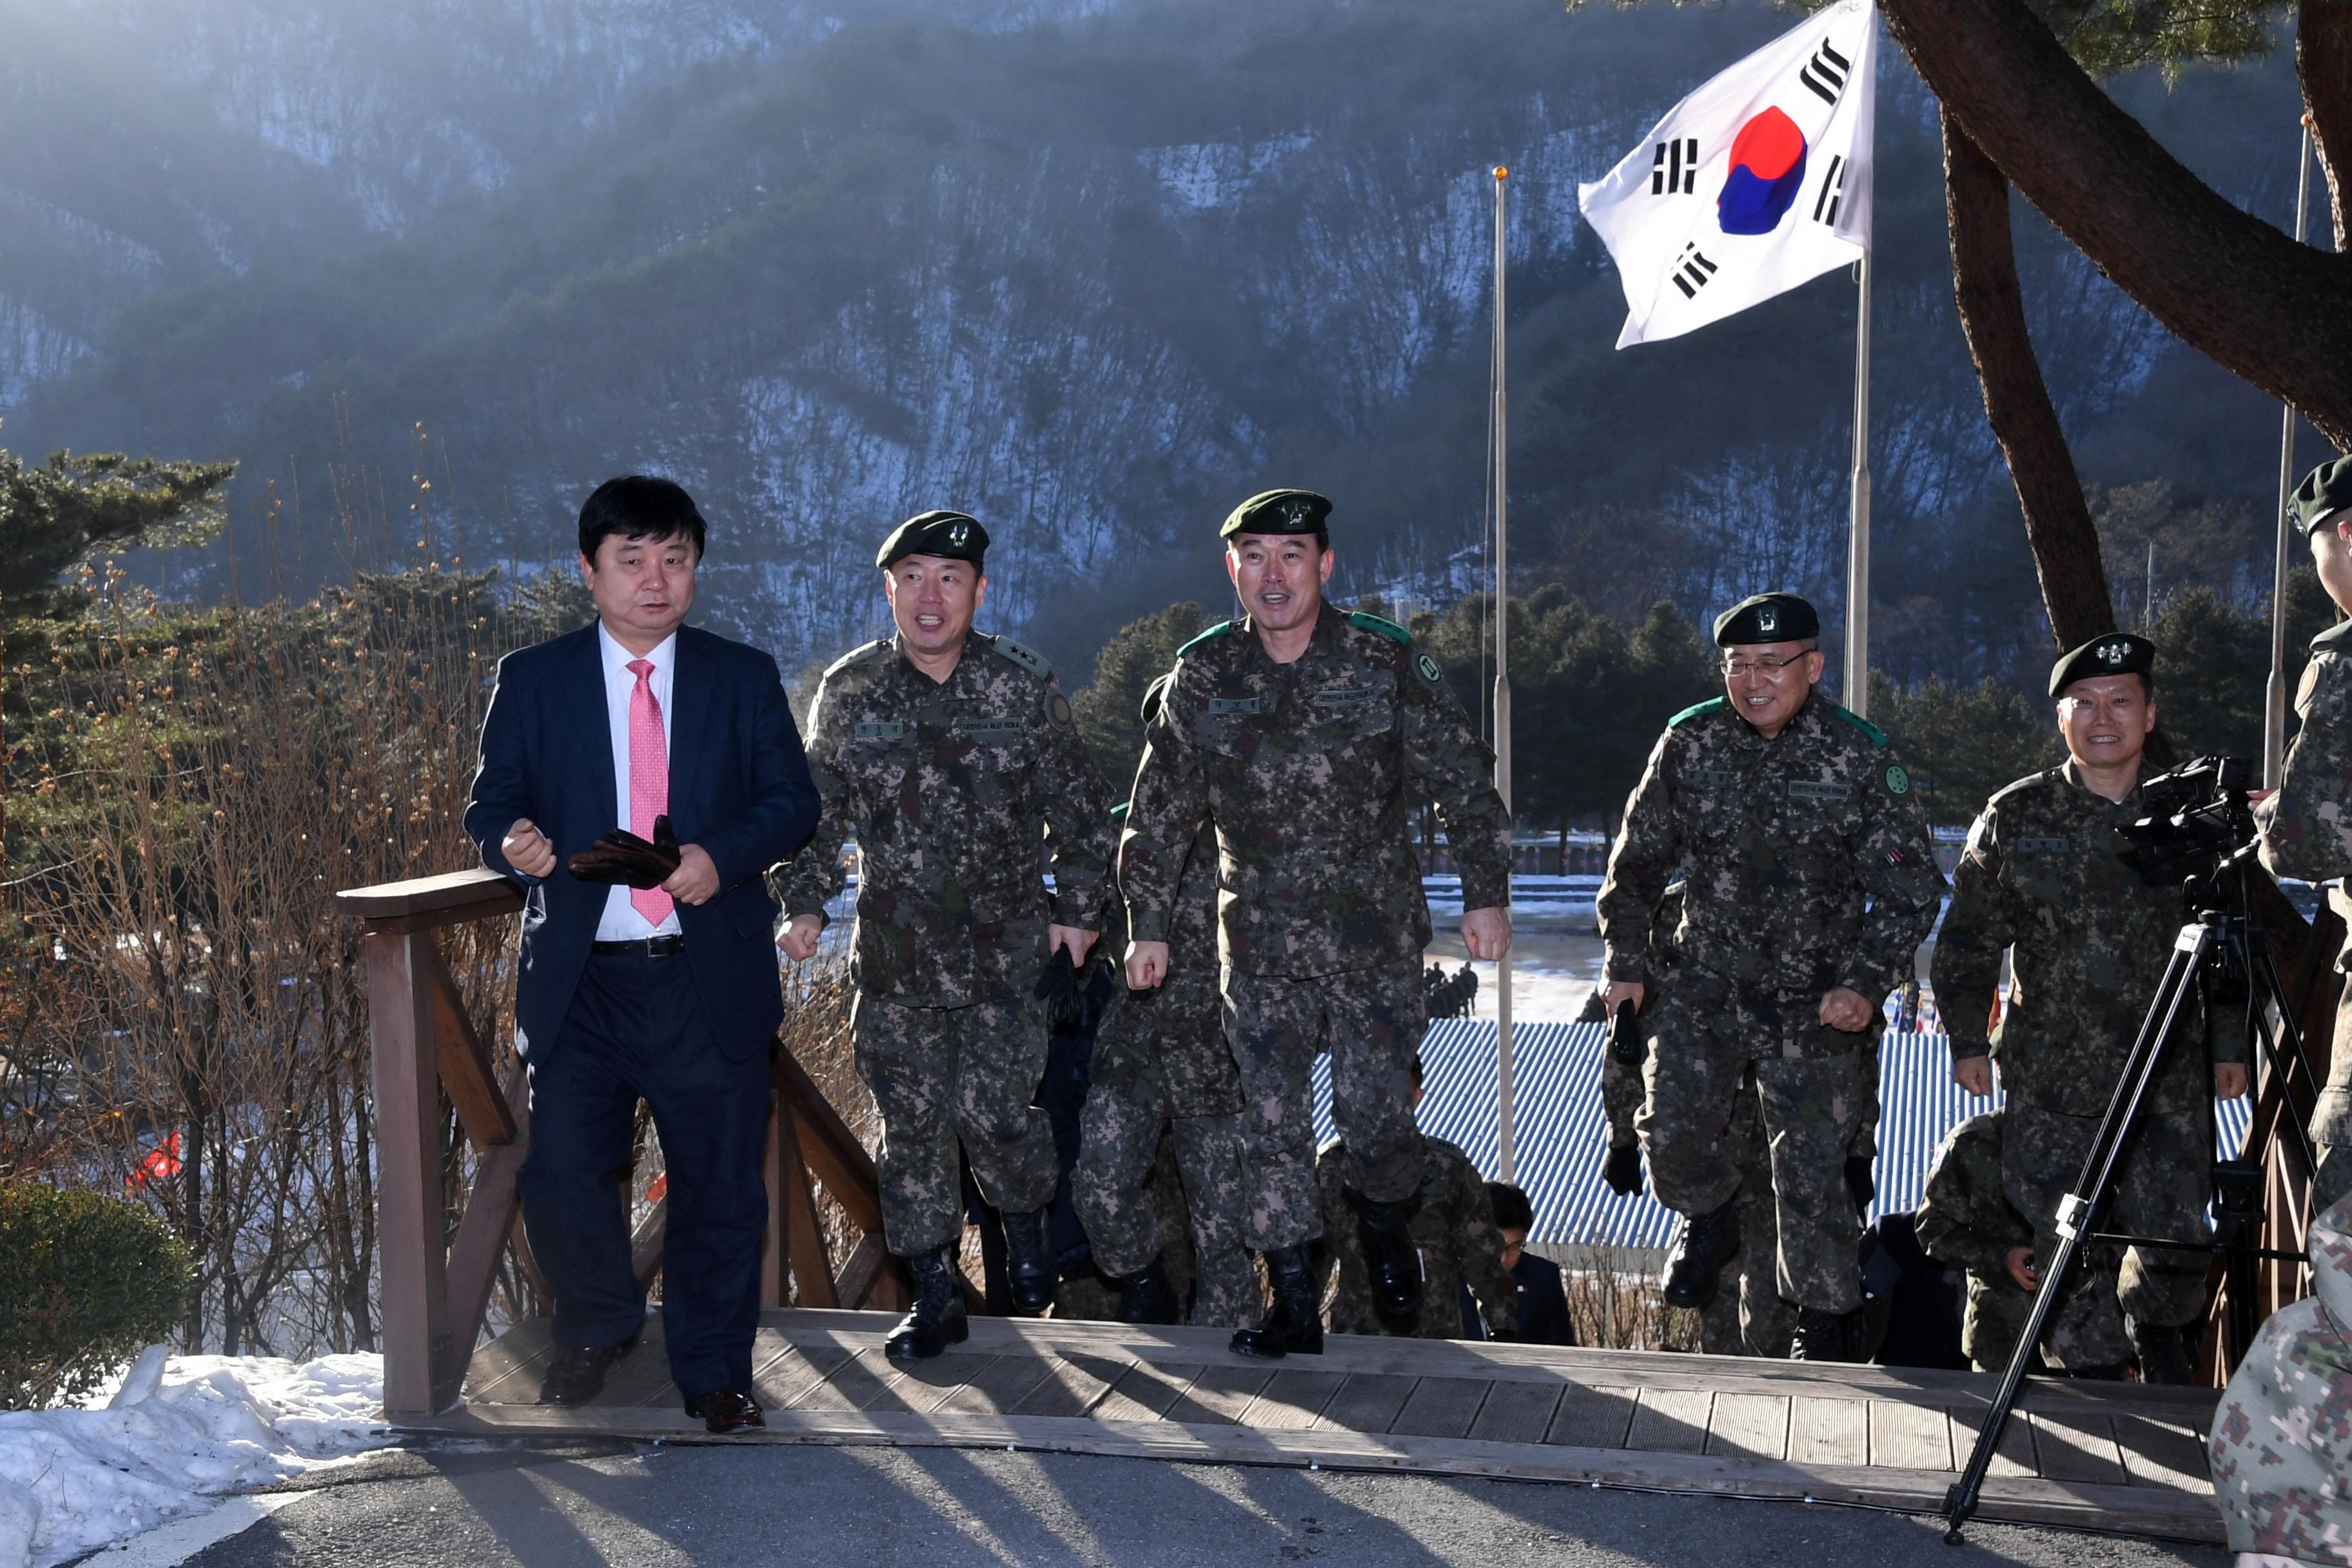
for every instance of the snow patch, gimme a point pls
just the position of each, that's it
(176, 1431)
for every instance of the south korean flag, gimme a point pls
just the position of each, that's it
(1754, 183)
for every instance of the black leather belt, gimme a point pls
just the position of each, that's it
(643, 947)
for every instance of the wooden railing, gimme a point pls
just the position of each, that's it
(437, 1283)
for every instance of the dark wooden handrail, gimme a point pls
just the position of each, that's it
(435, 1286)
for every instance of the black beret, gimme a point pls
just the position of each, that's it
(952, 535)
(1767, 617)
(2324, 491)
(1279, 511)
(2116, 653)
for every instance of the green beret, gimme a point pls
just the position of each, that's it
(952, 535)
(1279, 511)
(1767, 617)
(2324, 491)
(2116, 653)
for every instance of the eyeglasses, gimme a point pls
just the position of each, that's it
(1769, 669)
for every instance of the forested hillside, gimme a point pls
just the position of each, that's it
(1092, 270)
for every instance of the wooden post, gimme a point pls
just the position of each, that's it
(414, 1290)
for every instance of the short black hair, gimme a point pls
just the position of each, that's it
(1512, 1210)
(1416, 1069)
(638, 506)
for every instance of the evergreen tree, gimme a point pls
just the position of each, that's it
(58, 515)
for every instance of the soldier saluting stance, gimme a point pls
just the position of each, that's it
(950, 753)
(1302, 731)
(1808, 880)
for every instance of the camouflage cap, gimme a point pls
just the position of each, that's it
(2324, 491)
(1279, 511)
(1767, 617)
(2115, 653)
(954, 535)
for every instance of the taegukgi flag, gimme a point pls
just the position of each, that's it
(1754, 183)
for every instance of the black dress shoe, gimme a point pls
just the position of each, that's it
(726, 1410)
(1707, 1242)
(939, 1319)
(576, 1375)
(1146, 1297)
(1295, 1326)
(1825, 1336)
(1028, 1263)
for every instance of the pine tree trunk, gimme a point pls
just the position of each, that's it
(2016, 400)
(2238, 289)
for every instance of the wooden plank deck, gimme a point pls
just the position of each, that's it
(2101, 1456)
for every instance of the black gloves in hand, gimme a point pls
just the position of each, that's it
(1059, 989)
(1625, 1035)
(623, 857)
(1860, 1182)
(1623, 1170)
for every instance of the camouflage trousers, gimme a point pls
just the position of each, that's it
(1120, 1132)
(2161, 1191)
(1809, 1109)
(1747, 1315)
(1371, 1021)
(1994, 1320)
(943, 1074)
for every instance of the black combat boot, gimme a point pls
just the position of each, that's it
(1391, 1260)
(1707, 1242)
(938, 1319)
(1146, 1297)
(1028, 1265)
(2098, 1374)
(1295, 1326)
(1825, 1336)
(2166, 1355)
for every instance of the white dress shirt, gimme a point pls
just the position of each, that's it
(621, 921)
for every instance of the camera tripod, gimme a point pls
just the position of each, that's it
(2222, 932)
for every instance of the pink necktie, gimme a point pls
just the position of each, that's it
(648, 780)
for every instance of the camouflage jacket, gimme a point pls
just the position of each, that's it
(1963, 1219)
(1180, 1026)
(2042, 876)
(2307, 829)
(957, 792)
(1454, 1231)
(1804, 860)
(2281, 1439)
(1307, 770)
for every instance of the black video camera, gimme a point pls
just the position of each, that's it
(2198, 817)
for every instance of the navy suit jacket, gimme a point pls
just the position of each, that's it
(739, 786)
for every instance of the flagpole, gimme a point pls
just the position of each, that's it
(1505, 1132)
(1857, 559)
(2274, 694)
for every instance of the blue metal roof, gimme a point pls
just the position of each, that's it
(1561, 1130)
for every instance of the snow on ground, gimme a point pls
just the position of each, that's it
(174, 1432)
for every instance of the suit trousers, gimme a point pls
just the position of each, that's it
(637, 1030)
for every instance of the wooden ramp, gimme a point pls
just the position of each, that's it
(2110, 1457)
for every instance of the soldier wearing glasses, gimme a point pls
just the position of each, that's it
(1808, 880)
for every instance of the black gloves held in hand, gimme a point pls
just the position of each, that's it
(623, 857)
(1623, 1170)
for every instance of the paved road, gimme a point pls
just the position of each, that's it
(638, 1507)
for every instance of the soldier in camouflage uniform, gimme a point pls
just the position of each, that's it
(1453, 1228)
(2307, 825)
(2282, 1443)
(2044, 877)
(1302, 732)
(1161, 1061)
(1809, 879)
(951, 756)
(1965, 1219)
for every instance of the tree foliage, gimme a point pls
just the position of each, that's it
(58, 515)
(1109, 711)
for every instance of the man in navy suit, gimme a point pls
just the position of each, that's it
(668, 994)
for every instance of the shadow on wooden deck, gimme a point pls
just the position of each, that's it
(2100, 1455)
